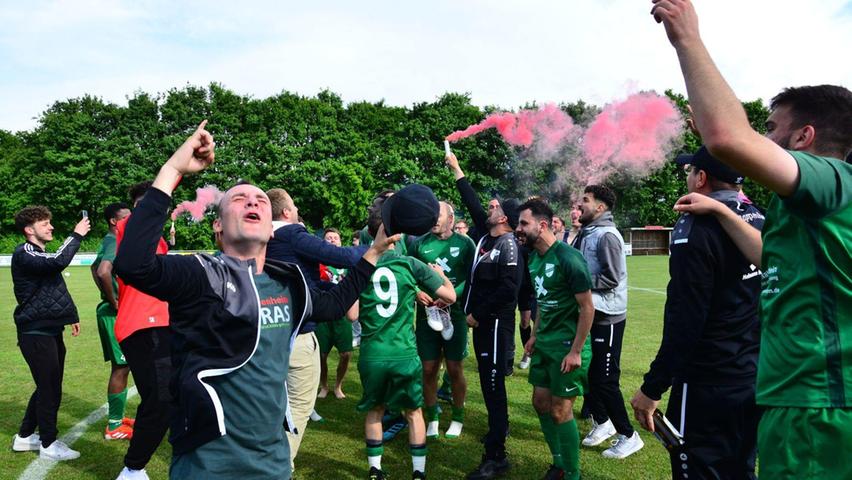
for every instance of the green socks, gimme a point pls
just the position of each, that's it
(569, 443)
(375, 449)
(458, 414)
(431, 413)
(418, 457)
(116, 402)
(552, 438)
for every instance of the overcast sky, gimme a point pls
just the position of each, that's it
(503, 53)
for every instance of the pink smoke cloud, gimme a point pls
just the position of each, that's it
(634, 135)
(204, 197)
(549, 126)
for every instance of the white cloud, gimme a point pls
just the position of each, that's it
(504, 53)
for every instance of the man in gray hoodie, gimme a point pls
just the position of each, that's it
(603, 248)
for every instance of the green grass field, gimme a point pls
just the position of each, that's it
(334, 449)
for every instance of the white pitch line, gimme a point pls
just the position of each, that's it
(658, 292)
(39, 468)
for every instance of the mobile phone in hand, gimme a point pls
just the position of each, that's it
(84, 213)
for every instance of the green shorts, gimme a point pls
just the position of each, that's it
(105, 316)
(396, 384)
(546, 371)
(336, 334)
(805, 443)
(430, 343)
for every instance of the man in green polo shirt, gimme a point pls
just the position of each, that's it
(390, 369)
(804, 374)
(454, 253)
(559, 344)
(118, 427)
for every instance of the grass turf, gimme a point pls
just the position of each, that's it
(334, 449)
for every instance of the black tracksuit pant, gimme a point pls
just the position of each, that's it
(148, 354)
(492, 341)
(719, 425)
(604, 398)
(45, 355)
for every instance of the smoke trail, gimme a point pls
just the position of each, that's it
(204, 197)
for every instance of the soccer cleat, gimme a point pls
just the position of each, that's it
(554, 473)
(433, 318)
(26, 444)
(455, 430)
(376, 474)
(623, 447)
(525, 362)
(432, 429)
(394, 430)
(599, 433)
(130, 474)
(316, 417)
(447, 329)
(489, 468)
(130, 422)
(418, 475)
(121, 432)
(57, 451)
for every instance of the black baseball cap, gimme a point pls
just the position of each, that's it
(412, 210)
(716, 169)
(510, 209)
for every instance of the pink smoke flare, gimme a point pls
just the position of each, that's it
(634, 135)
(204, 197)
(549, 126)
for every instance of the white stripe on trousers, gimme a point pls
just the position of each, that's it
(683, 412)
(496, 326)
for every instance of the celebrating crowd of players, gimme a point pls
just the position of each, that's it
(226, 350)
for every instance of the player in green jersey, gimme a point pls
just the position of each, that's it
(390, 369)
(337, 334)
(804, 377)
(454, 254)
(118, 428)
(559, 344)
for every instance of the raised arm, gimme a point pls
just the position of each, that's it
(468, 195)
(718, 114)
(745, 237)
(43, 263)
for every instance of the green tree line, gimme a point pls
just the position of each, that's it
(332, 157)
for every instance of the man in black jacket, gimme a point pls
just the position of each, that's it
(490, 299)
(711, 337)
(44, 308)
(233, 319)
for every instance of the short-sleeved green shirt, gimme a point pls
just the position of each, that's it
(387, 307)
(253, 399)
(106, 253)
(806, 302)
(556, 277)
(454, 255)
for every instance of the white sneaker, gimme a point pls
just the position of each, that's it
(58, 451)
(623, 447)
(433, 318)
(599, 433)
(129, 474)
(525, 362)
(316, 417)
(26, 444)
(432, 429)
(447, 327)
(455, 430)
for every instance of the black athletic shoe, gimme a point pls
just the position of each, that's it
(489, 468)
(554, 473)
(418, 475)
(376, 474)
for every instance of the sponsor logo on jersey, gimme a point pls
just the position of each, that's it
(540, 291)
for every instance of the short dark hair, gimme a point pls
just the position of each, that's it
(827, 108)
(603, 194)
(111, 210)
(539, 209)
(135, 192)
(330, 230)
(30, 215)
(374, 221)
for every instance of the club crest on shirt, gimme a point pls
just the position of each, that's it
(548, 269)
(494, 254)
(454, 252)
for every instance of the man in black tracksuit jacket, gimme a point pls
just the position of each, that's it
(711, 337)
(220, 324)
(490, 299)
(44, 308)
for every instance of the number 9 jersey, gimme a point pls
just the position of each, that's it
(388, 305)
